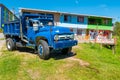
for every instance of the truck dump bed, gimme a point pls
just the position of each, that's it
(12, 28)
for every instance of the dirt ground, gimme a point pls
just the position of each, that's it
(1, 35)
(2, 41)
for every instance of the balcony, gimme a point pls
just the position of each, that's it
(99, 23)
(100, 27)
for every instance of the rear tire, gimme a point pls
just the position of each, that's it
(66, 50)
(43, 50)
(10, 44)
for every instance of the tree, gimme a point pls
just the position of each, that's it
(117, 29)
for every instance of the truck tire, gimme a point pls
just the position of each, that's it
(10, 44)
(66, 50)
(43, 50)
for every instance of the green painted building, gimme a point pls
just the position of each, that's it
(100, 23)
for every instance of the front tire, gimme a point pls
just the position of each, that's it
(43, 50)
(10, 44)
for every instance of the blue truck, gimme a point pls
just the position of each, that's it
(37, 31)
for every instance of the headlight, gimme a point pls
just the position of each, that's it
(63, 37)
(56, 38)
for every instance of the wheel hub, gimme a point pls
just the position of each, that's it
(8, 45)
(40, 49)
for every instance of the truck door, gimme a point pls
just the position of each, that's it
(32, 29)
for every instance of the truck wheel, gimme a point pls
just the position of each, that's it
(66, 50)
(10, 44)
(43, 50)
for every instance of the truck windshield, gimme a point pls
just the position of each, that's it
(46, 22)
(34, 23)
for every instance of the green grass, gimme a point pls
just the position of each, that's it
(9, 66)
(2, 38)
(27, 66)
(103, 64)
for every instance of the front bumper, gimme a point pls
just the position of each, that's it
(64, 44)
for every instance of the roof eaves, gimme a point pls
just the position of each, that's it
(87, 15)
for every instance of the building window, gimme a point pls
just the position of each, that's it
(79, 32)
(106, 21)
(91, 21)
(80, 19)
(67, 18)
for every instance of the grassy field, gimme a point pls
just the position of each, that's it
(2, 38)
(90, 63)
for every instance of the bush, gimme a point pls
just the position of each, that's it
(1, 30)
(117, 29)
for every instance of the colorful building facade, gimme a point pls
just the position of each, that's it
(6, 15)
(87, 26)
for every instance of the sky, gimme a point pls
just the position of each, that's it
(109, 8)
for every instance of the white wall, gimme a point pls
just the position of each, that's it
(70, 25)
(74, 27)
